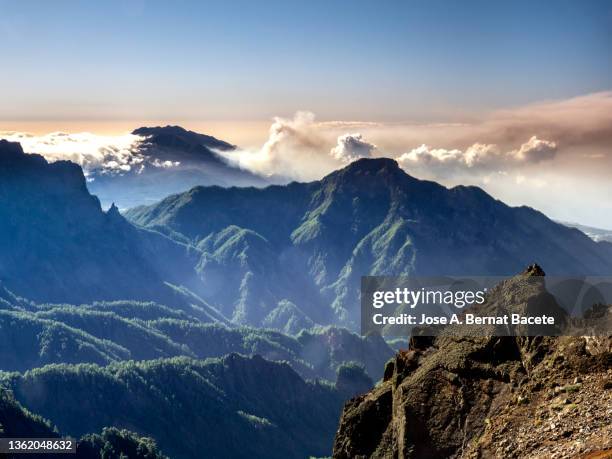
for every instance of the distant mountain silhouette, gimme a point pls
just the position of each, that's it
(597, 234)
(181, 139)
(173, 160)
(297, 249)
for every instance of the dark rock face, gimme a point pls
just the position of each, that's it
(534, 270)
(56, 243)
(11, 150)
(452, 397)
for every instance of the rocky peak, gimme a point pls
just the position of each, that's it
(373, 178)
(113, 214)
(113, 210)
(372, 165)
(370, 170)
(10, 149)
(32, 173)
(534, 270)
(176, 136)
(488, 396)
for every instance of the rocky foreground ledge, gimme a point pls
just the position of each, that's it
(481, 397)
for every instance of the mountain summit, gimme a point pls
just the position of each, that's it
(294, 250)
(282, 256)
(176, 136)
(372, 165)
(10, 149)
(170, 159)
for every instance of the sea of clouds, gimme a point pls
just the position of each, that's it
(105, 154)
(553, 147)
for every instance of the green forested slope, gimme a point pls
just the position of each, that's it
(33, 335)
(17, 422)
(230, 407)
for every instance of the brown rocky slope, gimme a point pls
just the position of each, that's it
(488, 397)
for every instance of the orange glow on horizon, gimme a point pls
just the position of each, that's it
(249, 133)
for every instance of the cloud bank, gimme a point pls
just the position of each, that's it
(576, 131)
(107, 154)
(477, 158)
(536, 154)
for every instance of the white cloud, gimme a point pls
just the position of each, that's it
(301, 148)
(351, 147)
(481, 153)
(536, 150)
(296, 148)
(477, 158)
(428, 155)
(110, 154)
(164, 164)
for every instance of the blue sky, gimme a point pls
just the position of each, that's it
(388, 60)
(514, 96)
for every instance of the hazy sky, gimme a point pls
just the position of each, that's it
(387, 60)
(513, 96)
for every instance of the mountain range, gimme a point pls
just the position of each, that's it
(214, 318)
(297, 252)
(286, 257)
(34, 335)
(56, 243)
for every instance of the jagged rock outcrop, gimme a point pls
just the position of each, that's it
(487, 396)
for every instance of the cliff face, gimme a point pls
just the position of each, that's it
(58, 245)
(477, 397)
